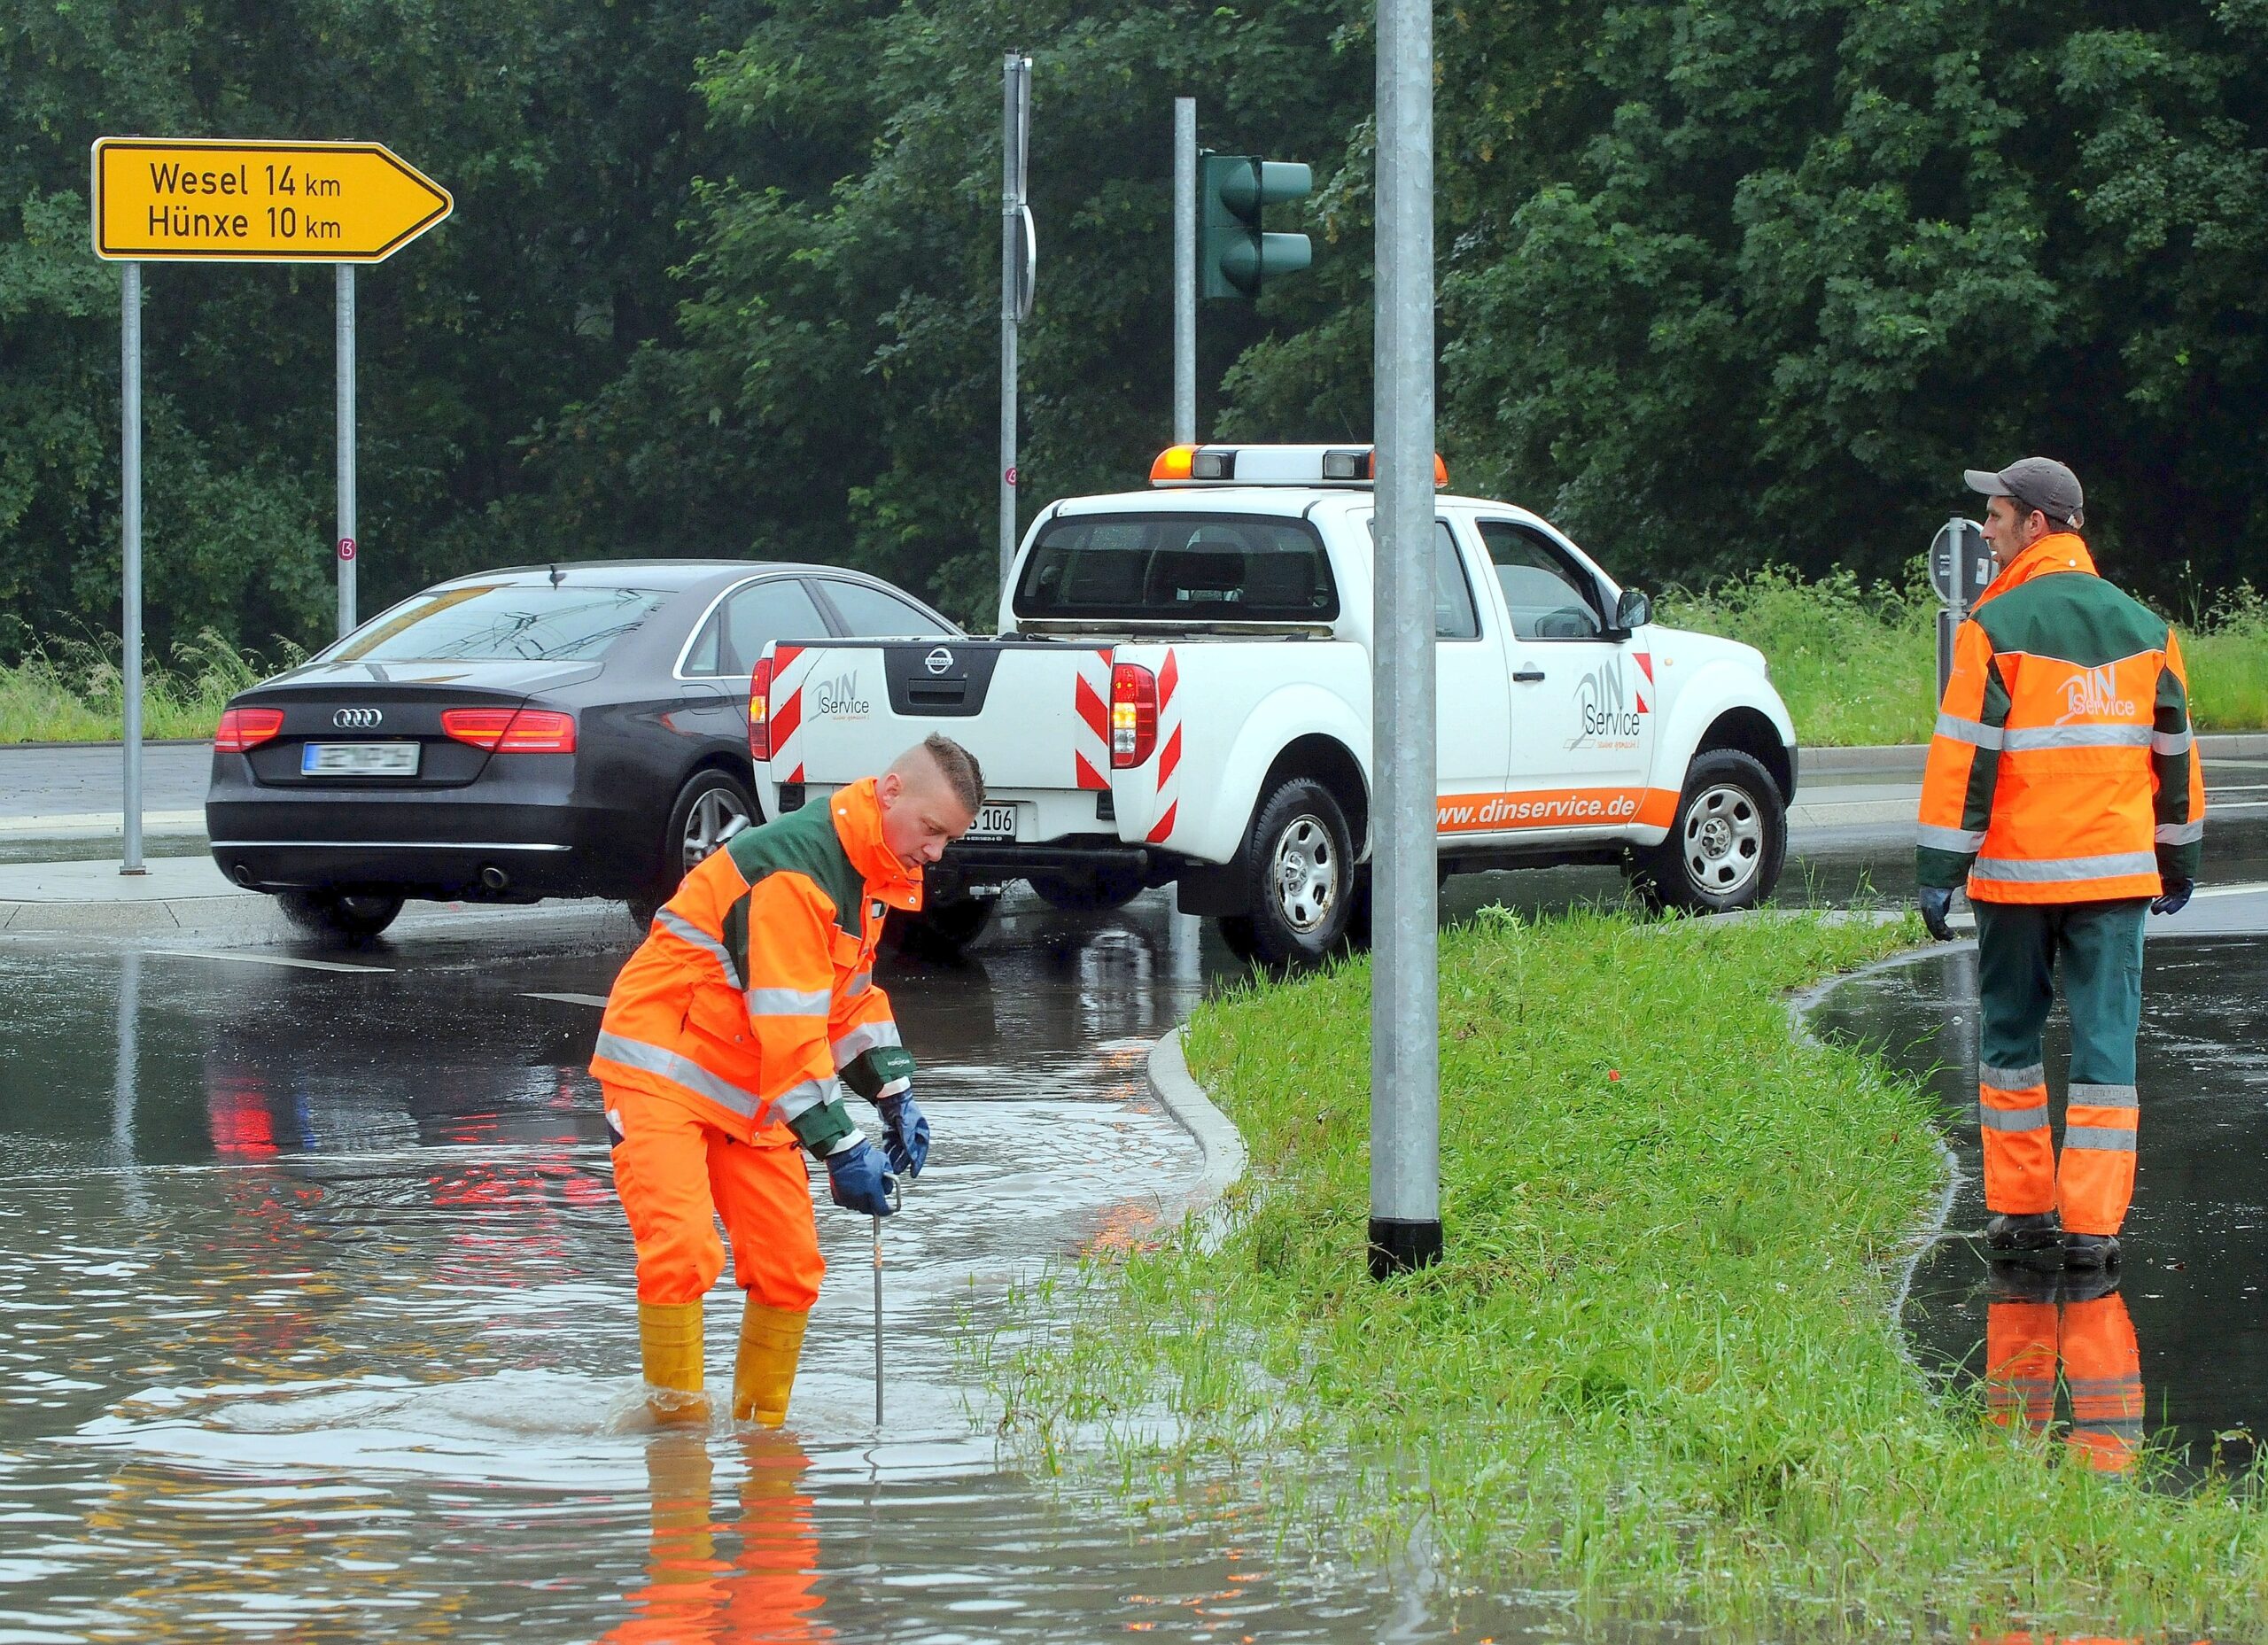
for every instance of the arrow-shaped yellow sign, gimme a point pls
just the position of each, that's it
(247, 200)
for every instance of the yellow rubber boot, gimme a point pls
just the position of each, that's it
(669, 1344)
(771, 1341)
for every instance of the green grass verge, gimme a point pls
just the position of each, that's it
(1656, 1367)
(1858, 665)
(69, 691)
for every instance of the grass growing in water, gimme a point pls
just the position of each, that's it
(1655, 1366)
(71, 691)
(1858, 665)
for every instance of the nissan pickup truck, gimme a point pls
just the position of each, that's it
(1180, 695)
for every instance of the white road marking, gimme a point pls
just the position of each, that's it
(571, 999)
(264, 959)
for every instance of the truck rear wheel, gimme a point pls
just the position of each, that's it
(1726, 846)
(1297, 874)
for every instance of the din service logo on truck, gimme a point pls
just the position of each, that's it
(1179, 695)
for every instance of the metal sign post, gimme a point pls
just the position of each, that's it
(249, 200)
(129, 510)
(1019, 263)
(1961, 569)
(1184, 271)
(1405, 1230)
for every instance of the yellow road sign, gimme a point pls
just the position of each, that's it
(246, 200)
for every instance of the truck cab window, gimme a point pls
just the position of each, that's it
(1549, 597)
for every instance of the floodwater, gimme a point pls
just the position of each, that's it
(2193, 1287)
(316, 1323)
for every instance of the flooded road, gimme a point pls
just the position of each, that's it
(2190, 1310)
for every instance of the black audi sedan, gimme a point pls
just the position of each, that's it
(571, 730)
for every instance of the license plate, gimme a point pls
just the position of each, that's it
(359, 759)
(993, 822)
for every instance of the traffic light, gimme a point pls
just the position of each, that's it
(1233, 256)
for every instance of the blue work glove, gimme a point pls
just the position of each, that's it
(2174, 898)
(905, 1133)
(857, 1182)
(1937, 903)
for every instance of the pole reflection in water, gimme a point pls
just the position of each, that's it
(691, 1592)
(2071, 1330)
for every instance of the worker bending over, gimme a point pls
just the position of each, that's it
(728, 1042)
(2063, 789)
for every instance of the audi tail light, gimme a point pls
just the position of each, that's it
(512, 731)
(759, 710)
(1133, 715)
(242, 729)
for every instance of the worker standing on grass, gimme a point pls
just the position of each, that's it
(2063, 789)
(728, 1042)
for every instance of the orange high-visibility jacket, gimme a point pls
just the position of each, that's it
(752, 999)
(2063, 770)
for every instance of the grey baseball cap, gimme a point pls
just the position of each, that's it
(2039, 482)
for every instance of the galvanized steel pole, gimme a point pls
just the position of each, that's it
(129, 499)
(1015, 88)
(1405, 1229)
(1184, 270)
(349, 546)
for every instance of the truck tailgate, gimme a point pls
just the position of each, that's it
(1035, 713)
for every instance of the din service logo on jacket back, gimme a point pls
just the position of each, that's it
(2092, 694)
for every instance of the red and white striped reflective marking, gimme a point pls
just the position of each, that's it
(788, 681)
(1090, 724)
(1168, 750)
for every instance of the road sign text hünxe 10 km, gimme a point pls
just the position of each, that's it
(247, 200)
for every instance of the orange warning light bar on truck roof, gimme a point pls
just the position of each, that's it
(1274, 465)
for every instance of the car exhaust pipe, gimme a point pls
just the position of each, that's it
(494, 877)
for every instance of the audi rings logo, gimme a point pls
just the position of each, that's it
(358, 720)
(938, 661)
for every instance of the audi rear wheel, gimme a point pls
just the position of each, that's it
(339, 915)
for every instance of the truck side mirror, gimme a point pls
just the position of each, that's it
(1632, 610)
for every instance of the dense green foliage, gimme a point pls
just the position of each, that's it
(1722, 285)
(1655, 1368)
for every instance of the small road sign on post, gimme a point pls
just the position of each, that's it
(1961, 569)
(246, 200)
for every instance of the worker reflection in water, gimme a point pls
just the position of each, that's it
(2041, 1329)
(764, 1591)
(2063, 790)
(727, 1042)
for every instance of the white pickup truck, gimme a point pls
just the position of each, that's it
(1181, 695)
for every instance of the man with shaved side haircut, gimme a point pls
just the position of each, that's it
(727, 1042)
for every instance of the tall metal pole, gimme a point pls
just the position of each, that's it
(349, 547)
(129, 488)
(1015, 89)
(1405, 1229)
(1184, 271)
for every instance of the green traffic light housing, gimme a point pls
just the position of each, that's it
(1233, 256)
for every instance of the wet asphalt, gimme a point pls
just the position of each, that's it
(318, 1320)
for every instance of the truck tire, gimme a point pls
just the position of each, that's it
(1297, 870)
(339, 915)
(1725, 850)
(1095, 892)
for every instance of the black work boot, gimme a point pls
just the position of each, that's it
(2090, 1250)
(2034, 1239)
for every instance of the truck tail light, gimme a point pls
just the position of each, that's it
(759, 710)
(240, 729)
(1133, 715)
(512, 731)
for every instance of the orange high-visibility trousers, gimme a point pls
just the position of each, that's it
(676, 1174)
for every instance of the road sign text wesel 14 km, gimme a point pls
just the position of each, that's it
(247, 200)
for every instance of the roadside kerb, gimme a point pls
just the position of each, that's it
(1910, 757)
(1223, 1145)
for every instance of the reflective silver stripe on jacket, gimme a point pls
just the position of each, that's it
(2103, 1096)
(2012, 1079)
(2031, 737)
(800, 1099)
(1949, 839)
(683, 1070)
(1975, 731)
(2104, 1139)
(678, 927)
(2012, 1119)
(787, 1002)
(2049, 870)
(2171, 741)
(897, 1087)
(2181, 834)
(859, 983)
(867, 1037)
